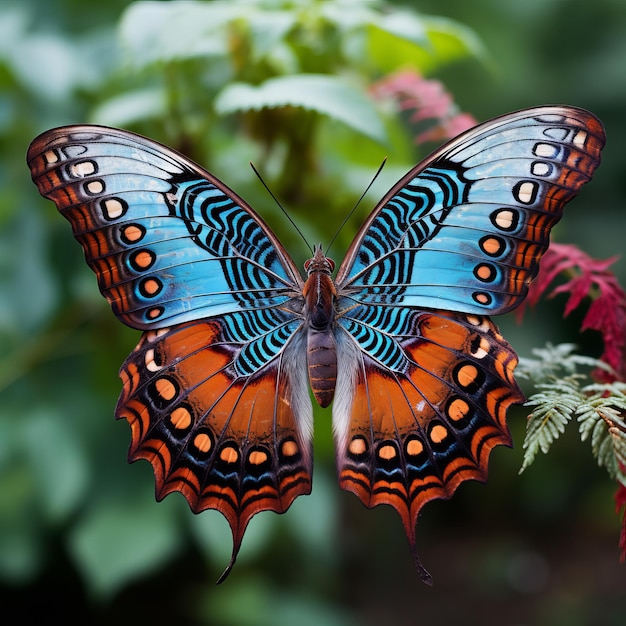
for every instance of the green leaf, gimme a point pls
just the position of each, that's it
(391, 44)
(21, 550)
(452, 40)
(553, 361)
(49, 65)
(130, 107)
(258, 603)
(324, 94)
(404, 25)
(599, 408)
(26, 275)
(403, 39)
(618, 442)
(153, 32)
(268, 30)
(58, 459)
(119, 541)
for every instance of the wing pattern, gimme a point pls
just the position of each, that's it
(168, 242)
(237, 444)
(465, 229)
(407, 436)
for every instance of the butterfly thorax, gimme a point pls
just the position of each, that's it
(319, 296)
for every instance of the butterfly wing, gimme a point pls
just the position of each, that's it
(424, 377)
(413, 433)
(237, 444)
(168, 242)
(465, 229)
(214, 393)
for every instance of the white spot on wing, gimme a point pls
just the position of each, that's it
(580, 139)
(541, 169)
(546, 150)
(526, 192)
(82, 169)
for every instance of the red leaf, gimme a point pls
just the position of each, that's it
(591, 278)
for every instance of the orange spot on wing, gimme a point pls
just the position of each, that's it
(203, 442)
(289, 448)
(387, 453)
(181, 419)
(415, 447)
(438, 433)
(144, 258)
(458, 409)
(257, 458)
(357, 446)
(467, 375)
(165, 388)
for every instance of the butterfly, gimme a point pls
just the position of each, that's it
(216, 393)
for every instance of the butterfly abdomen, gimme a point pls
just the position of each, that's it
(320, 295)
(322, 365)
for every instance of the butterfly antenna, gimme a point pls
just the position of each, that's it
(351, 213)
(280, 206)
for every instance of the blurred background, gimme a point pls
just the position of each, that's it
(81, 536)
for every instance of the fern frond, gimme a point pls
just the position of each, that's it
(601, 418)
(599, 408)
(556, 403)
(553, 361)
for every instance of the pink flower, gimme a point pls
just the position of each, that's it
(448, 128)
(429, 101)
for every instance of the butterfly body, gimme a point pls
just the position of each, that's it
(320, 300)
(216, 393)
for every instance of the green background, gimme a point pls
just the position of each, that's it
(81, 537)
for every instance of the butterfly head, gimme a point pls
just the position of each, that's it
(319, 262)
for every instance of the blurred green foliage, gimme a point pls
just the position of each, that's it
(80, 533)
